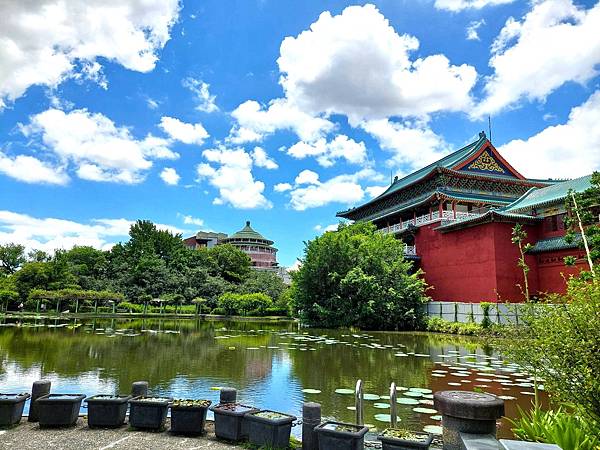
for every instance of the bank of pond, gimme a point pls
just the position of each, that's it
(277, 366)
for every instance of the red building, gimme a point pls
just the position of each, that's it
(456, 217)
(260, 249)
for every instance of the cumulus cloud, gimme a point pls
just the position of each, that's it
(170, 176)
(556, 42)
(459, 5)
(32, 170)
(412, 143)
(187, 133)
(282, 187)
(100, 150)
(356, 64)
(231, 173)
(326, 153)
(190, 220)
(261, 159)
(561, 151)
(47, 41)
(310, 192)
(374, 191)
(204, 100)
(324, 229)
(254, 121)
(472, 33)
(49, 234)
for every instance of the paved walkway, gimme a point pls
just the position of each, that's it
(29, 436)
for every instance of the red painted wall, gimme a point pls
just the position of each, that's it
(473, 264)
(552, 271)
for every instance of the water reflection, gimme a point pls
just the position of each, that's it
(269, 363)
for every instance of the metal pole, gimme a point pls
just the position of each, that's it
(358, 403)
(583, 236)
(393, 406)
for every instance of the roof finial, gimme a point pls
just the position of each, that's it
(490, 126)
(247, 223)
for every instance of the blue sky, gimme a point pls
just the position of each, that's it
(205, 114)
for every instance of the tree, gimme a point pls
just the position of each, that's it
(583, 217)
(12, 256)
(88, 265)
(519, 236)
(268, 283)
(231, 263)
(357, 277)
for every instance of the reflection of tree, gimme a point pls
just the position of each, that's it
(154, 356)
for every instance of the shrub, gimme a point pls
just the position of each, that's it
(356, 277)
(485, 307)
(560, 344)
(67, 297)
(132, 307)
(438, 325)
(567, 429)
(244, 304)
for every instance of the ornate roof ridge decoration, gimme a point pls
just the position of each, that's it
(488, 160)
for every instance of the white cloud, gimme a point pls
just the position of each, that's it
(357, 65)
(459, 5)
(47, 41)
(307, 177)
(472, 34)
(374, 191)
(31, 170)
(327, 152)
(413, 144)
(561, 151)
(49, 234)
(255, 122)
(282, 187)
(556, 42)
(187, 133)
(205, 101)
(152, 104)
(233, 177)
(324, 229)
(261, 159)
(190, 220)
(99, 149)
(310, 192)
(170, 176)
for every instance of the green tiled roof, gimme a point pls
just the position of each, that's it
(553, 244)
(248, 233)
(537, 197)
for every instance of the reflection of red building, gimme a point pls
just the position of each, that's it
(456, 216)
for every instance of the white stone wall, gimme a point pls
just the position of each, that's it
(502, 313)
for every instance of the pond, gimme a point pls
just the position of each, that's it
(274, 366)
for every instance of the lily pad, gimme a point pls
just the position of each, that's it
(381, 405)
(433, 429)
(436, 417)
(344, 391)
(371, 397)
(407, 401)
(421, 390)
(311, 391)
(425, 410)
(385, 418)
(413, 394)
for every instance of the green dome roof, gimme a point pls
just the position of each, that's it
(248, 233)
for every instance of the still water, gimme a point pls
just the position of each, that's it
(273, 365)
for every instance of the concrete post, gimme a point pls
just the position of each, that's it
(467, 412)
(311, 417)
(139, 388)
(228, 395)
(38, 389)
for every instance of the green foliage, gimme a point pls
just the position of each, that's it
(268, 283)
(519, 237)
(232, 264)
(8, 298)
(244, 304)
(583, 209)
(567, 429)
(12, 256)
(438, 325)
(486, 321)
(357, 277)
(560, 343)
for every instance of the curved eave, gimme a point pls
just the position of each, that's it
(488, 217)
(247, 241)
(456, 173)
